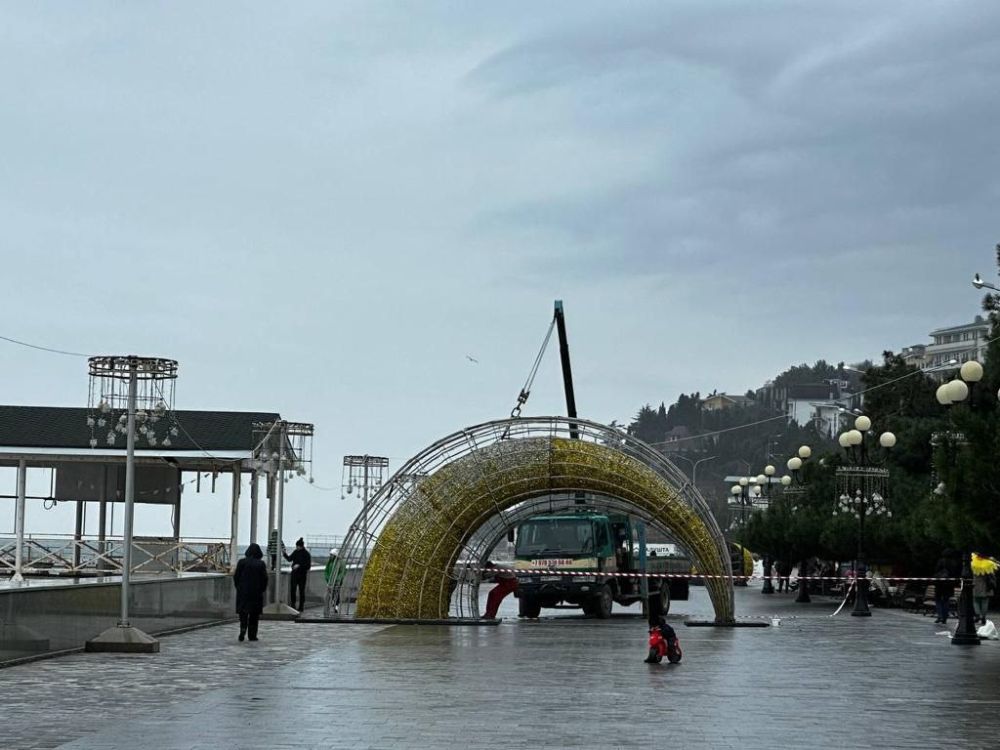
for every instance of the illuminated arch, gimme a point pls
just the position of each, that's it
(446, 509)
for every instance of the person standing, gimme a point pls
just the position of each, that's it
(506, 583)
(784, 570)
(334, 572)
(250, 580)
(301, 562)
(983, 584)
(945, 573)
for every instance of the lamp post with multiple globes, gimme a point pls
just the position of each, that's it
(863, 482)
(955, 392)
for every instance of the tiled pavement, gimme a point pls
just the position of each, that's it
(813, 682)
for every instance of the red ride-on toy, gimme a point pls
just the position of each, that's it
(663, 641)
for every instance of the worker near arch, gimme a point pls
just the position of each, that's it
(506, 581)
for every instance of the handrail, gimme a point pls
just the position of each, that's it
(89, 555)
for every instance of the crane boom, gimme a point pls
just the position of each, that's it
(567, 370)
(559, 322)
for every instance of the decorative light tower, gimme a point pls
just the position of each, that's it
(291, 451)
(948, 394)
(126, 391)
(863, 485)
(363, 473)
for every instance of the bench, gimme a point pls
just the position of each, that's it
(914, 601)
(917, 597)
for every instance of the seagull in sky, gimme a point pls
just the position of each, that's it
(472, 359)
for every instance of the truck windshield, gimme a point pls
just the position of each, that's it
(555, 536)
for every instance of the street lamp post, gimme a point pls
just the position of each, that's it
(747, 493)
(954, 392)
(693, 464)
(978, 283)
(741, 496)
(762, 487)
(863, 487)
(289, 448)
(794, 486)
(129, 395)
(741, 501)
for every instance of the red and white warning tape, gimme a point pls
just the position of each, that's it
(564, 572)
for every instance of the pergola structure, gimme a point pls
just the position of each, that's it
(58, 439)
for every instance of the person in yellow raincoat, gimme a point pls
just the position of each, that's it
(984, 583)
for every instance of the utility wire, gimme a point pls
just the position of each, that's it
(43, 348)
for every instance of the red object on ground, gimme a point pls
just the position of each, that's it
(499, 592)
(660, 647)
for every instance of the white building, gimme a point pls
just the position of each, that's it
(961, 343)
(818, 404)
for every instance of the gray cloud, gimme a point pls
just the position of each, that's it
(780, 132)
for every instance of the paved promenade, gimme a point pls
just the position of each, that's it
(562, 682)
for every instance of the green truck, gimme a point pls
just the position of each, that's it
(581, 559)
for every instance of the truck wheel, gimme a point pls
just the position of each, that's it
(603, 603)
(528, 607)
(665, 597)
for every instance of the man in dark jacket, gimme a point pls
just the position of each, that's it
(301, 562)
(948, 568)
(250, 580)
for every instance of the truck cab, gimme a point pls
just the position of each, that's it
(582, 560)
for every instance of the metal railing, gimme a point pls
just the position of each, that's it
(321, 544)
(89, 556)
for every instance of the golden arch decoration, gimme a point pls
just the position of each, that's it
(435, 522)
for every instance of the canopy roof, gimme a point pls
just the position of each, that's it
(53, 432)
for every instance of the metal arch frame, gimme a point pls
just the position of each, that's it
(471, 441)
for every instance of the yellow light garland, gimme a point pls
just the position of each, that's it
(407, 575)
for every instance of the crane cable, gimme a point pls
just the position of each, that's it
(522, 397)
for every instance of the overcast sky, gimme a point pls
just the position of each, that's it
(322, 208)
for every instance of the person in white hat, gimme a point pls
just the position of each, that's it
(335, 571)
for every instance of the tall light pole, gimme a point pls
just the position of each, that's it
(294, 450)
(863, 483)
(750, 491)
(948, 394)
(123, 384)
(794, 486)
(364, 473)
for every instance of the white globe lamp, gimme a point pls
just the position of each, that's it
(971, 371)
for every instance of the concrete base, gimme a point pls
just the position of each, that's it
(122, 640)
(279, 611)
